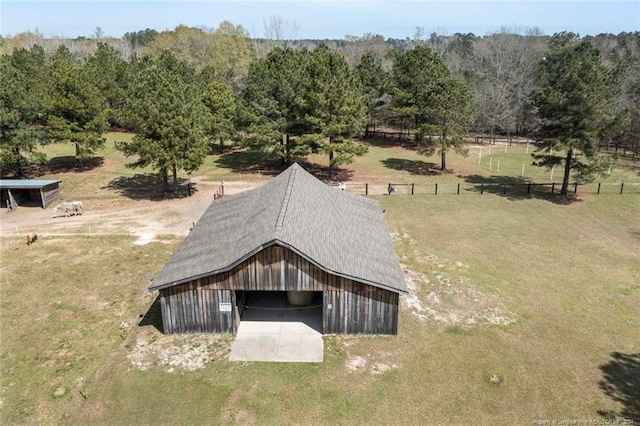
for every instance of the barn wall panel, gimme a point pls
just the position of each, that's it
(193, 309)
(360, 312)
(355, 307)
(51, 193)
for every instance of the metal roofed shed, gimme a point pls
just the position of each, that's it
(294, 234)
(28, 192)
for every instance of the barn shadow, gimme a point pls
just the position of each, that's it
(153, 317)
(516, 188)
(621, 382)
(414, 167)
(149, 186)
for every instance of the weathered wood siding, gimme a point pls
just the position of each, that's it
(355, 307)
(279, 269)
(50, 194)
(360, 312)
(190, 309)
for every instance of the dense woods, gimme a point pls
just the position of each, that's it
(189, 91)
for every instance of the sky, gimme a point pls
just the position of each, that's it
(319, 19)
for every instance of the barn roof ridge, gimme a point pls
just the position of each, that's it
(287, 196)
(344, 234)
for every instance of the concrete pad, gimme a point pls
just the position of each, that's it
(298, 328)
(277, 342)
(272, 331)
(260, 327)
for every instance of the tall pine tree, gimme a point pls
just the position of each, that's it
(335, 106)
(168, 114)
(220, 104)
(438, 106)
(274, 97)
(21, 107)
(570, 101)
(75, 109)
(374, 82)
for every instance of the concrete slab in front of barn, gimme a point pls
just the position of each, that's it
(277, 341)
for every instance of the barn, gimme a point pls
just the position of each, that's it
(294, 238)
(28, 192)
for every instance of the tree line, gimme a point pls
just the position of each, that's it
(188, 91)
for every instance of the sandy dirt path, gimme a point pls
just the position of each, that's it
(143, 220)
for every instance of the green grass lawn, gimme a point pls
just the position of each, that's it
(567, 274)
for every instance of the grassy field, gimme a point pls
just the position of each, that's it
(544, 297)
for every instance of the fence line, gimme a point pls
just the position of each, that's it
(504, 188)
(622, 149)
(219, 192)
(480, 140)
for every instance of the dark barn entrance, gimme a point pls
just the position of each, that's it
(24, 192)
(281, 306)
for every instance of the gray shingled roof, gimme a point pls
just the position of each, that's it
(342, 233)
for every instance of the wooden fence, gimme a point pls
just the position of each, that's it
(219, 192)
(622, 149)
(480, 140)
(504, 188)
(628, 149)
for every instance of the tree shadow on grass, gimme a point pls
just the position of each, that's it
(322, 172)
(381, 142)
(414, 167)
(259, 162)
(153, 317)
(65, 164)
(621, 382)
(149, 186)
(249, 162)
(516, 188)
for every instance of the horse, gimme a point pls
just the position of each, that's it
(74, 207)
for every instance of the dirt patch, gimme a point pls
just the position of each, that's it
(187, 353)
(232, 413)
(93, 411)
(143, 220)
(357, 363)
(445, 295)
(452, 301)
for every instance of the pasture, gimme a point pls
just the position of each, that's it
(520, 308)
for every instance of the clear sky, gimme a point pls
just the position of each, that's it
(320, 18)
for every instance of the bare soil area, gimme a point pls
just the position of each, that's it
(142, 219)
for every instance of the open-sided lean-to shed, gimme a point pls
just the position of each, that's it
(28, 191)
(294, 234)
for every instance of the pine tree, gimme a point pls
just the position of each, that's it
(168, 113)
(374, 82)
(107, 71)
(220, 104)
(438, 105)
(20, 109)
(274, 99)
(75, 110)
(570, 101)
(335, 106)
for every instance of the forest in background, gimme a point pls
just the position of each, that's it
(189, 90)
